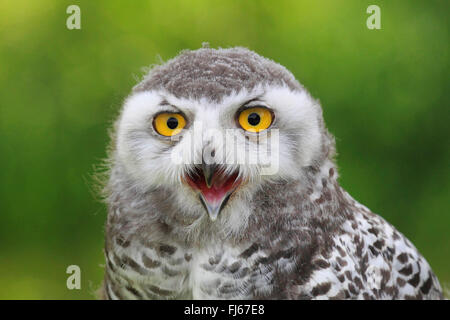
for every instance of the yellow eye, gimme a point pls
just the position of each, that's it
(255, 119)
(169, 124)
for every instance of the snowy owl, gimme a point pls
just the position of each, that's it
(222, 184)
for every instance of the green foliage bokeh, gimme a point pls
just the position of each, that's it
(385, 95)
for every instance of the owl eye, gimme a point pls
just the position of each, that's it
(168, 123)
(255, 119)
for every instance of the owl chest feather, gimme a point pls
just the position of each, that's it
(362, 262)
(167, 271)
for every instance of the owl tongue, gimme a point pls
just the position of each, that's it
(214, 188)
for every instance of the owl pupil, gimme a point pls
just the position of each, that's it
(172, 123)
(254, 119)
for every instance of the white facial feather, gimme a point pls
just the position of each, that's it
(147, 156)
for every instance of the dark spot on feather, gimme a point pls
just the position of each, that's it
(331, 172)
(392, 291)
(414, 281)
(341, 261)
(352, 289)
(116, 292)
(248, 252)
(341, 252)
(374, 251)
(321, 263)
(401, 282)
(367, 296)
(134, 292)
(403, 257)
(159, 291)
(379, 244)
(214, 260)
(227, 288)
(339, 296)
(348, 275)
(406, 270)
(167, 250)
(425, 288)
(122, 242)
(321, 289)
(111, 266)
(132, 264)
(234, 267)
(347, 294)
(386, 275)
(149, 263)
(358, 282)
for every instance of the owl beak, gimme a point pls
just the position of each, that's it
(214, 209)
(213, 187)
(208, 173)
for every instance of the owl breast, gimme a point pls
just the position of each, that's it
(169, 271)
(368, 259)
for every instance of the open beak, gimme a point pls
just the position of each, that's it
(214, 187)
(214, 209)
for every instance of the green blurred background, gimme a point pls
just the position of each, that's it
(385, 95)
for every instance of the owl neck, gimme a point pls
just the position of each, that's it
(314, 202)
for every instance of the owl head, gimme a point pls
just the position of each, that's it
(211, 128)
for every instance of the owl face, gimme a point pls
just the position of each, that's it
(211, 155)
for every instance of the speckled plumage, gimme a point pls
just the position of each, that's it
(294, 235)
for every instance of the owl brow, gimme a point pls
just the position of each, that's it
(167, 107)
(255, 99)
(164, 102)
